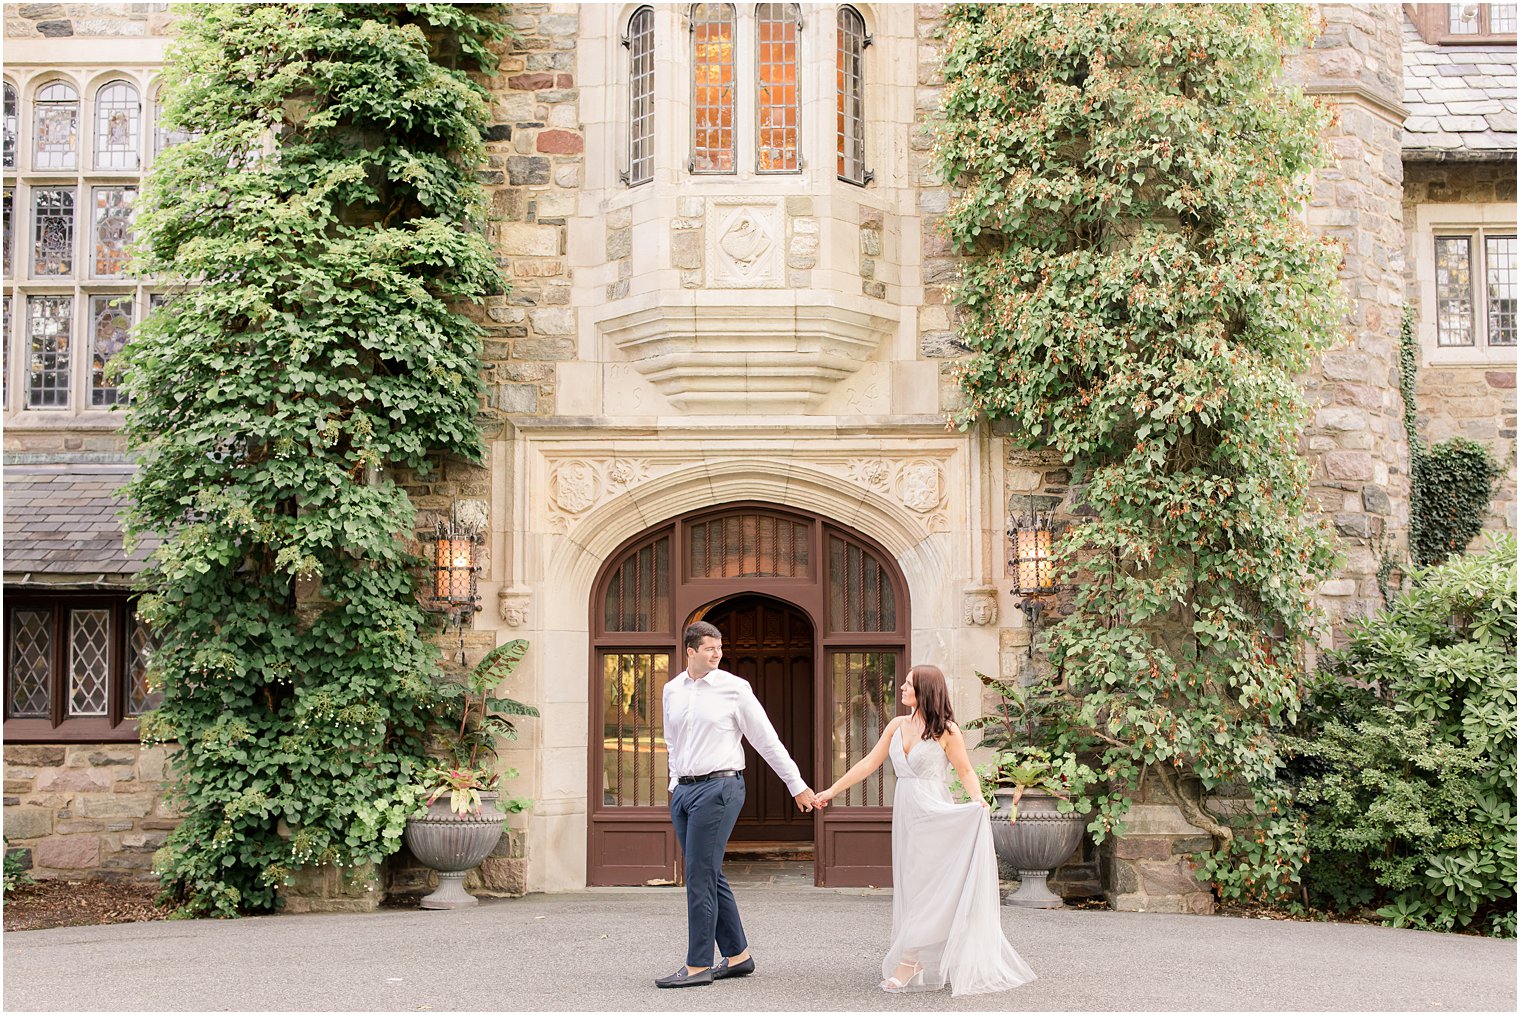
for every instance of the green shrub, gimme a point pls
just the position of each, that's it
(1404, 761)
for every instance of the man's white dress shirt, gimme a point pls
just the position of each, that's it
(704, 721)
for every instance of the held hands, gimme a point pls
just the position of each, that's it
(807, 800)
(826, 796)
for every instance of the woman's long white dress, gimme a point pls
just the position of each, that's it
(945, 905)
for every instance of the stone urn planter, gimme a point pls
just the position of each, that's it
(1037, 843)
(453, 845)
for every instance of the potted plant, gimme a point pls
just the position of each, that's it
(1035, 823)
(462, 822)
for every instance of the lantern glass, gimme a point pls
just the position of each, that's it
(454, 568)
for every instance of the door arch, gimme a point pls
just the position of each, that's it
(853, 596)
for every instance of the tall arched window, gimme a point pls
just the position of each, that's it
(851, 120)
(117, 117)
(712, 99)
(10, 126)
(777, 27)
(56, 133)
(640, 43)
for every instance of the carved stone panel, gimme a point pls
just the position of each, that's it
(745, 249)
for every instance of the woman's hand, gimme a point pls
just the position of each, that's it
(827, 795)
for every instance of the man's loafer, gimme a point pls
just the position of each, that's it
(723, 970)
(681, 978)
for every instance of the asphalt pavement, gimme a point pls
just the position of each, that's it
(815, 949)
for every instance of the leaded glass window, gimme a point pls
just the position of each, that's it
(712, 106)
(1499, 259)
(164, 137)
(110, 327)
(1462, 19)
(10, 214)
(776, 98)
(89, 661)
(56, 134)
(5, 355)
(1501, 18)
(11, 123)
(29, 670)
(1454, 295)
(50, 327)
(641, 96)
(140, 697)
(112, 228)
(52, 231)
(850, 121)
(117, 116)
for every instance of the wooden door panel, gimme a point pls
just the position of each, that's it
(633, 848)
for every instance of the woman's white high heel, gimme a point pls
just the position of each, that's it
(895, 985)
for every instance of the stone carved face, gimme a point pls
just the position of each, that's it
(984, 611)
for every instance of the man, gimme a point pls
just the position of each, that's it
(707, 711)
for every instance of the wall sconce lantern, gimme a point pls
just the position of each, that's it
(1031, 563)
(456, 574)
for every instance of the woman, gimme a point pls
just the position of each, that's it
(945, 905)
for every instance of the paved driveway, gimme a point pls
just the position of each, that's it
(816, 950)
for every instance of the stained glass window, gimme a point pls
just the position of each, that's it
(851, 113)
(53, 231)
(712, 106)
(776, 99)
(641, 96)
(1454, 297)
(56, 137)
(10, 125)
(1499, 260)
(110, 327)
(164, 137)
(117, 115)
(112, 228)
(50, 327)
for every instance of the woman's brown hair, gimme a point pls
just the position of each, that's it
(933, 700)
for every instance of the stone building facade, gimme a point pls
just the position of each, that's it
(717, 387)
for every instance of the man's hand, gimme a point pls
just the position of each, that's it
(806, 801)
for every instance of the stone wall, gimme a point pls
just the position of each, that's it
(62, 21)
(86, 810)
(535, 153)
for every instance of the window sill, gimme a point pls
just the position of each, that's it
(63, 419)
(1476, 358)
(70, 731)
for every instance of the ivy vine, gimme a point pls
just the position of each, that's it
(1451, 483)
(324, 222)
(1142, 297)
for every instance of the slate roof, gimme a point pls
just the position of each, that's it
(1461, 100)
(63, 526)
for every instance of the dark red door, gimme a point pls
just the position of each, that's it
(770, 644)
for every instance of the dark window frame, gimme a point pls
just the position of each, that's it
(117, 725)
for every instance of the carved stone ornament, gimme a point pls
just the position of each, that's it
(980, 608)
(574, 487)
(513, 604)
(745, 252)
(919, 486)
(472, 514)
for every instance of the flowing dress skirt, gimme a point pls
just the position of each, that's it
(946, 907)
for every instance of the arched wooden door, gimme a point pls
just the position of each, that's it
(724, 562)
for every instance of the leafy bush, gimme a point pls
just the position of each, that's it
(1404, 761)
(1141, 296)
(17, 873)
(325, 223)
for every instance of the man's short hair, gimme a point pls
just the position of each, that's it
(701, 629)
